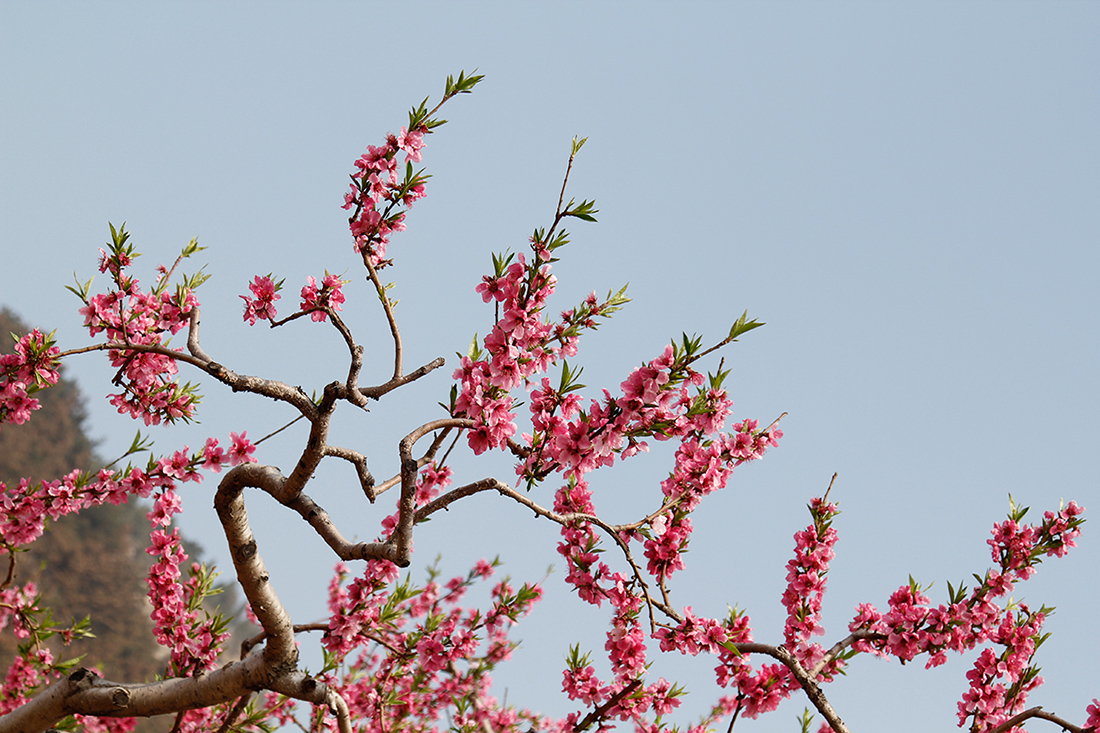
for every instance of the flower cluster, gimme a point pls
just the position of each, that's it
(31, 367)
(664, 399)
(24, 509)
(26, 673)
(516, 348)
(757, 691)
(633, 701)
(806, 584)
(397, 652)
(703, 465)
(316, 300)
(378, 192)
(999, 683)
(1093, 710)
(407, 655)
(192, 635)
(261, 304)
(132, 318)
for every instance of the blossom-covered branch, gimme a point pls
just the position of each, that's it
(397, 652)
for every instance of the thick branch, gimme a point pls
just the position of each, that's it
(280, 651)
(316, 445)
(275, 668)
(83, 692)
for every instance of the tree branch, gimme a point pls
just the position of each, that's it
(601, 712)
(805, 680)
(1036, 712)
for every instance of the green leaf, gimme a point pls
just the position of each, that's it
(192, 247)
(450, 408)
(618, 300)
(715, 380)
(742, 325)
(560, 240)
(191, 282)
(806, 720)
(584, 210)
(569, 379)
(82, 289)
(464, 84)
(139, 444)
(1016, 513)
(501, 262)
(575, 659)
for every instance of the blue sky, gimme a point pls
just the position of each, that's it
(905, 192)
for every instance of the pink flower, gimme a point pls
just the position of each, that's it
(213, 456)
(314, 300)
(1093, 723)
(178, 466)
(582, 684)
(411, 143)
(242, 449)
(262, 305)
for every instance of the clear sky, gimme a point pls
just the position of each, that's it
(907, 193)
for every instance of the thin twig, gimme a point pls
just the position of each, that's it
(1036, 712)
(388, 309)
(831, 482)
(273, 434)
(233, 714)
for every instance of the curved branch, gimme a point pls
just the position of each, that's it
(1036, 712)
(275, 668)
(280, 654)
(322, 523)
(316, 445)
(193, 336)
(428, 457)
(83, 692)
(400, 540)
(280, 650)
(274, 389)
(359, 461)
(812, 690)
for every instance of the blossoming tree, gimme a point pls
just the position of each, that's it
(404, 656)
